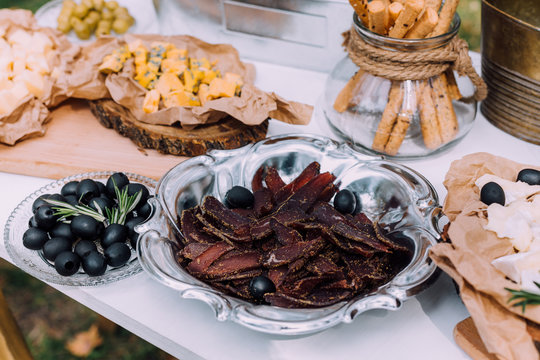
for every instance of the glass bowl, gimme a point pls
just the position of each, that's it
(34, 263)
(354, 102)
(398, 197)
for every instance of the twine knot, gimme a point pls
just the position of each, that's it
(401, 65)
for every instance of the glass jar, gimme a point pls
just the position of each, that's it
(399, 119)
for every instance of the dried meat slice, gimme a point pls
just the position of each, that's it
(322, 265)
(327, 215)
(328, 192)
(284, 234)
(192, 228)
(263, 202)
(233, 265)
(365, 273)
(317, 299)
(220, 213)
(387, 240)
(307, 195)
(202, 262)
(356, 235)
(257, 181)
(278, 274)
(348, 246)
(304, 286)
(289, 253)
(192, 250)
(238, 289)
(226, 235)
(249, 274)
(305, 176)
(273, 180)
(287, 217)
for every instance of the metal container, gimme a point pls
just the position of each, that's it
(511, 66)
(299, 33)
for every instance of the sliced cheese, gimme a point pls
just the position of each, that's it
(221, 88)
(176, 98)
(34, 82)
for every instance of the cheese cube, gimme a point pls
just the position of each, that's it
(11, 99)
(154, 64)
(209, 76)
(33, 81)
(41, 44)
(202, 63)
(141, 55)
(151, 101)
(221, 88)
(5, 83)
(190, 82)
(204, 94)
(134, 45)
(176, 98)
(169, 82)
(176, 67)
(193, 100)
(36, 63)
(159, 49)
(20, 37)
(177, 54)
(144, 79)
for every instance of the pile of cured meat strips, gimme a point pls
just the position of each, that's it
(314, 255)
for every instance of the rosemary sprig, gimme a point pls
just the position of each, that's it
(66, 210)
(525, 297)
(115, 215)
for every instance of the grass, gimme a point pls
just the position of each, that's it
(48, 319)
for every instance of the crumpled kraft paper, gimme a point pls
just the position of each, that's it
(468, 257)
(252, 108)
(27, 119)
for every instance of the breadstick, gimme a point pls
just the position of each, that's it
(445, 111)
(424, 26)
(407, 18)
(386, 15)
(453, 89)
(394, 10)
(388, 119)
(445, 17)
(361, 9)
(376, 16)
(344, 97)
(434, 4)
(429, 124)
(404, 119)
(398, 132)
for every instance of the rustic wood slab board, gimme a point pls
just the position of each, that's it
(466, 336)
(75, 142)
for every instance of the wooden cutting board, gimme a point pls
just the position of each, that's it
(467, 337)
(75, 142)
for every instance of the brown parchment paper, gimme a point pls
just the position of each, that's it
(467, 259)
(30, 115)
(252, 107)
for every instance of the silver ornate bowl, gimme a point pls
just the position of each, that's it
(398, 197)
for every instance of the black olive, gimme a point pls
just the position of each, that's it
(260, 285)
(69, 188)
(529, 176)
(67, 263)
(94, 264)
(39, 202)
(84, 247)
(45, 217)
(345, 202)
(72, 199)
(100, 202)
(57, 197)
(114, 233)
(117, 254)
(87, 189)
(62, 229)
(34, 238)
(102, 188)
(55, 246)
(492, 193)
(86, 227)
(134, 188)
(32, 222)
(239, 197)
(144, 211)
(119, 179)
(130, 224)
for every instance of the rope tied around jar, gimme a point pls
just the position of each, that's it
(414, 65)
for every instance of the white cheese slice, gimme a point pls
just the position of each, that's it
(20, 37)
(37, 63)
(41, 44)
(11, 99)
(512, 190)
(514, 265)
(528, 279)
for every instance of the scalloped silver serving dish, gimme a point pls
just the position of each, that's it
(398, 197)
